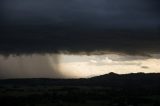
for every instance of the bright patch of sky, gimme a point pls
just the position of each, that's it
(87, 66)
(75, 66)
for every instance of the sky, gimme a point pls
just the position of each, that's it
(34, 28)
(74, 66)
(126, 26)
(81, 13)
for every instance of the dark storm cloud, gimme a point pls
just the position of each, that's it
(104, 13)
(73, 26)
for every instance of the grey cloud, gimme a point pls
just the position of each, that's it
(145, 67)
(80, 26)
(104, 13)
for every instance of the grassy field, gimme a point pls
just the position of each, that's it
(75, 95)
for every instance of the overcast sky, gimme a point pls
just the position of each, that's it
(97, 13)
(129, 30)
(125, 26)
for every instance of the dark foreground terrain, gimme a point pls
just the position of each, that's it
(107, 90)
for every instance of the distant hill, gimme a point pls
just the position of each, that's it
(111, 80)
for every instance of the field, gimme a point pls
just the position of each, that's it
(108, 90)
(70, 96)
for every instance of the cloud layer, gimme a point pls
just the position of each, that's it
(90, 13)
(80, 26)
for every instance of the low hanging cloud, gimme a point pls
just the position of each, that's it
(124, 44)
(80, 26)
(108, 61)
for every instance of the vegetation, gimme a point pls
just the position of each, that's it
(122, 90)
